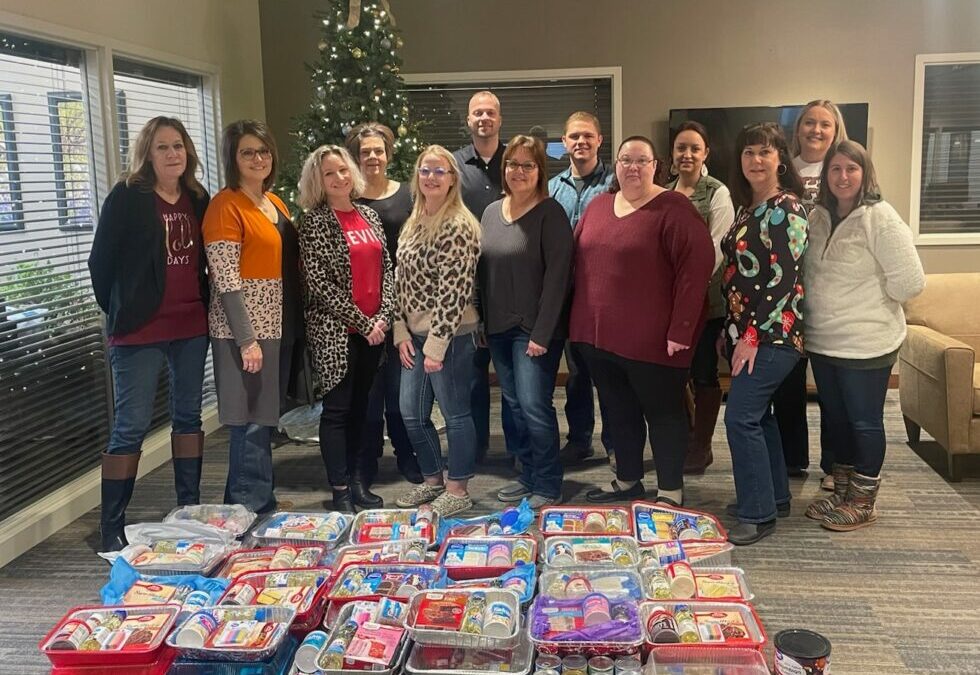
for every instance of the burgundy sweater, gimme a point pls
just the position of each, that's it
(642, 279)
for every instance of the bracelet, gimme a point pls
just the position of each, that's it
(254, 345)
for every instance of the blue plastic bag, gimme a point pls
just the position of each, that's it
(122, 576)
(510, 521)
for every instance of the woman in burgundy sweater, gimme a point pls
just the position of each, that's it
(643, 261)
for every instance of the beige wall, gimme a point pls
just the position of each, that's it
(676, 54)
(223, 33)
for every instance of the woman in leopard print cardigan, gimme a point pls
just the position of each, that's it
(349, 303)
(435, 330)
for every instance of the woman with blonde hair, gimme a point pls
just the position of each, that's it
(148, 273)
(349, 304)
(435, 330)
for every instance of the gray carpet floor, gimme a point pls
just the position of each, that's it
(900, 597)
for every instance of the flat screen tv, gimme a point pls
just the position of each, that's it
(723, 125)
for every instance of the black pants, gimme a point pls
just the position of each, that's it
(638, 394)
(789, 407)
(344, 408)
(704, 367)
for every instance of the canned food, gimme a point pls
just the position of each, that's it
(560, 553)
(595, 609)
(616, 522)
(595, 522)
(498, 620)
(661, 626)
(306, 653)
(548, 662)
(681, 578)
(627, 665)
(601, 665)
(574, 664)
(521, 551)
(241, 594)
(284, 558)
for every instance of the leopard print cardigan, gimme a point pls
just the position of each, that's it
(328, 299)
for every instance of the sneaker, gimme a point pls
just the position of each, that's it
(514, 491)
(540, 501)
(423, 493)
(827, 483)
(744, 534)
(448, 505)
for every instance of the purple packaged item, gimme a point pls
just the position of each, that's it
(554, 620)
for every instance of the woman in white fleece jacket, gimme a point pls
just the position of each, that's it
(861, 267)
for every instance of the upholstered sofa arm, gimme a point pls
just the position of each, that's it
(949, 362)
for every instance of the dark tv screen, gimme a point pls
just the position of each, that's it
(723, 125)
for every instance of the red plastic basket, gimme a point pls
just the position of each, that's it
(757, 639)
(243, 554)
(144, 655)
(680, 511)
(161, 666)
(543, 517)
(332, 597)
(306, 620)
(459, 572)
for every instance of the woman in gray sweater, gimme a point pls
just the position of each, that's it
(861, 268)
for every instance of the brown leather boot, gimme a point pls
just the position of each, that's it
(118, 479)
(188, 454)
(707, 402)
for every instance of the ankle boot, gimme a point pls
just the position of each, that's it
(408, 467)
(821, 507)
(858, 509)
(707, 401)
(188, 454)
(362, 496)
(342, 501)
(118, 479)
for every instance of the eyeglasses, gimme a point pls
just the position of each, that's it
(641, 163)
(527, 167)
(248, 154)
(438, 172)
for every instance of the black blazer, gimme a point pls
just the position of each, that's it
(129, 257)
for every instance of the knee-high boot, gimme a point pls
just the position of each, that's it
(118, 479)
(188, 454)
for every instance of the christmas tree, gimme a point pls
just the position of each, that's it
(356, 79)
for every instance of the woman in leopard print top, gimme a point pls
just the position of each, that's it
(435, 329)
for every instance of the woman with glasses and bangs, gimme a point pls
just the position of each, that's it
(435, 330)
(525, 264)
(643, 259)
(349, 306)
(763, 336)
(256, 310)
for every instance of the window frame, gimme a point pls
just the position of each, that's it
(66, 220)
(13, 167)
(923, 61)
(614, 73)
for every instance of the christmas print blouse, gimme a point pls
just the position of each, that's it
(763, 278)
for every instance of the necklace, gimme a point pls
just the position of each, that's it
(263, 204)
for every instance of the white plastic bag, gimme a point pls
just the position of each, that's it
(302, 424)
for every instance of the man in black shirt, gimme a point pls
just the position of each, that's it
(480, 183)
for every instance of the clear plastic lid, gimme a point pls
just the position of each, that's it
(132, 630)
(577, 581)
(710, 584)
(441, 660)
(226, 633)
(284, 527)
(562, 552)
(234, 518)
(378, 525)
(585, 520)
(167, 549)
(507, 609)
(657, 522)
(694, 553)
(716, 624)
(670, 660)
(583, 623)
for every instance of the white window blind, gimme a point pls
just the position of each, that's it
(145, 91)
(949, 184)
(54, 401)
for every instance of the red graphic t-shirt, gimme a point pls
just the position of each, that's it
(365, 261)
(181, 313)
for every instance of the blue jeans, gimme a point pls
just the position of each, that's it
(383, 407)
(135, 374)
(579, 407)
(480, 403)
(852, 408)
(250, 478)
(753, 435)
(527, 386)
(452, 387)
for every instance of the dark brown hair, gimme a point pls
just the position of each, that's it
(369, 130)
(230, 139)
(766, 134)
(660, 174)
(140, 173)
(855, 152)
(536, 148)
(691, 125)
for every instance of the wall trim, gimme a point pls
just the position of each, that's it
(39, 520)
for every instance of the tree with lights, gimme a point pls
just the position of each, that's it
(356, 79)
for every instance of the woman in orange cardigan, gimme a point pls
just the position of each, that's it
(256, 307)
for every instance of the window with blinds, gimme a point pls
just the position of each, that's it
(54, 394)
(538, 108)
(145, 91)
(949, 183)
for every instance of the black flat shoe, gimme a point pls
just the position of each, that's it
(342, 501)
(668, 501)
(408, 467)
(363, 497)
(744, 534)
(782, 510)
(600, 496)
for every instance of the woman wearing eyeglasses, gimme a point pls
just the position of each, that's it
(643, 259)
(349, 305)
(256, 307)
(525, 264)
(435, 330)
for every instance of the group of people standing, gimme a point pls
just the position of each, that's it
(643, 274)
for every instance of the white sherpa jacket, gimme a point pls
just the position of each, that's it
(856, 280)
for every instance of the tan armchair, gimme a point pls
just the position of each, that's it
(939, 376)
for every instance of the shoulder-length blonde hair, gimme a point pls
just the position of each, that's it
(140, 173)
(840, 131)
(311, 193)
(452, 210)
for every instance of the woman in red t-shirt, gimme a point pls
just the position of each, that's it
(148, 272)
(349, 305)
